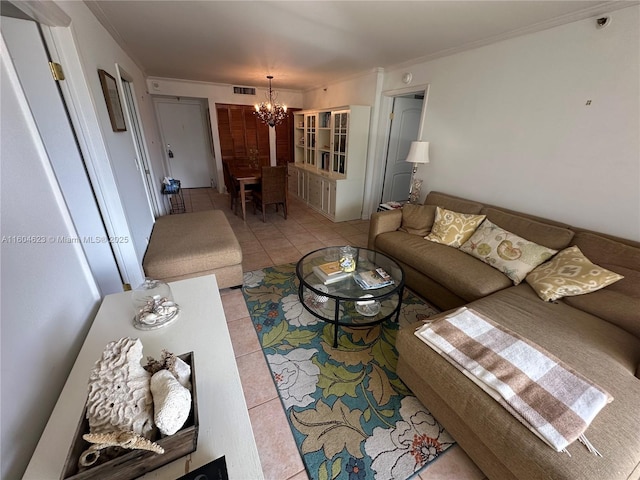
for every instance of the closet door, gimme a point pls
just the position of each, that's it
(242, 133)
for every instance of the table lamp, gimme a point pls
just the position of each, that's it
(418, 153)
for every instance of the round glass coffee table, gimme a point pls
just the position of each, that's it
(336, 297)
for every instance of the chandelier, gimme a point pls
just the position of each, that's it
(270, 112)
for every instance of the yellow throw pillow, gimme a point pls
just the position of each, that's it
(568, 274)
(453, 228)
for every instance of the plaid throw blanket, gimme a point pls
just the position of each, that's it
(551, 399)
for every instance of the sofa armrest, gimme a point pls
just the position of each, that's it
(381, 222)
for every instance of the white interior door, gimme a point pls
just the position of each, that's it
(32, 65)
(131, 111)
(183, 128)
(404, 130)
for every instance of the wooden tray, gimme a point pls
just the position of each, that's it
(135, 463)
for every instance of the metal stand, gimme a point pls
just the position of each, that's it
(175, 197)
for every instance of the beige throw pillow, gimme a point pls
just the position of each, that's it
(568, 274)
(417, 219)
(453, 228)
(512, 255)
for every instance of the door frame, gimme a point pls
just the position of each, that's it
(206, 128)
(84, 118)
(132, 113)
(394, 160)
(386, 108)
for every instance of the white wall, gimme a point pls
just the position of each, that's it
(218, 93)
(356, 90)
(509, 125)
(48, 294)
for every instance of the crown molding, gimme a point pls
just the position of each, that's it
(595, 10)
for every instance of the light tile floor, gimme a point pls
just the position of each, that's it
(276, 242)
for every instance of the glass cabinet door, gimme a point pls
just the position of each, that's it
(323, 140)
(340, 136)
(310, 139)
(299, 138)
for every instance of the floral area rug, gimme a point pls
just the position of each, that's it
(351, 416)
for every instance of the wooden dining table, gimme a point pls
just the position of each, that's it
(244, 175)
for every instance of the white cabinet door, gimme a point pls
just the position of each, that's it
(339, 142)
(293, 180)
(332, 200)
(303, 187)
(315, 192)
(310, 139)
(325, 196)
(329, 197)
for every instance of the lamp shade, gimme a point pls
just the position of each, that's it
(419, 152)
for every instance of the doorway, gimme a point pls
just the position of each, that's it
(406, 119)
(188, 151)
(142, 156)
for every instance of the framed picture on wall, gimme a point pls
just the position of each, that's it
(114, 107)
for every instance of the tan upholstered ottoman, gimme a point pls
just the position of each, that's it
(194, 244)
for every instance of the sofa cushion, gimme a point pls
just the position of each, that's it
(462, 274)
(453, 203)
(453, 228)
(417, 219)
(191, 243)
(569, 273)
(511, 254)
(552, 236)
(618, 303)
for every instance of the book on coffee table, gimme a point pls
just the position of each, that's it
(332, 278)
(373, 279)
(330, 268)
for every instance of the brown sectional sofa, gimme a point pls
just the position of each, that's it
(598, 334)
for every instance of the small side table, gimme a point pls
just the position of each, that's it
(176, 199)
(391, 205)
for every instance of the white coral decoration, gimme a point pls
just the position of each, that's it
(183, 373)
(172, 402)
(119, 395)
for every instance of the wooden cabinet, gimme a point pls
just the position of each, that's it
(330, 148)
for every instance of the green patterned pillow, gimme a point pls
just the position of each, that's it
(570, 273)
(512, 255)
(453, 228)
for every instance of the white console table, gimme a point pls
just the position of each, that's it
(225, 428)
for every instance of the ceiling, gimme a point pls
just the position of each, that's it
(307, 44)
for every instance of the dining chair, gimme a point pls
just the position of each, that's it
(233, 189)
(273, 190)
